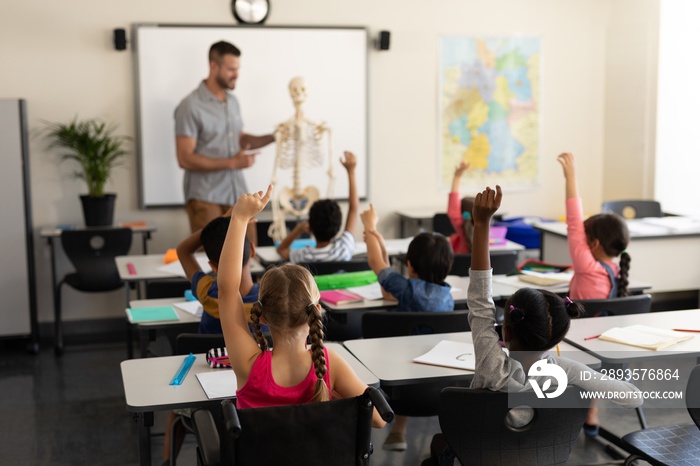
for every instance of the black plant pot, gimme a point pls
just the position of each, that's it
(98, 211)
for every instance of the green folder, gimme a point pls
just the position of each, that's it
(345, 280)
(152, 314)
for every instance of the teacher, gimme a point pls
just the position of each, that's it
(211, 145)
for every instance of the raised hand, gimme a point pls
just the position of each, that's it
(350, 161)
(369, 218)
(567, 162)
(249, 205)
(461, 168)
(486, 204)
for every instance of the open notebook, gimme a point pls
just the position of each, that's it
(447, 353)
(546, 279)
(643, 336)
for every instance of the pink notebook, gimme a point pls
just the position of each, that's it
(338, 297)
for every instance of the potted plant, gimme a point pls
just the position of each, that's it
(94, 146)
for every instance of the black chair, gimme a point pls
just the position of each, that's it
(442, 224)
(333, 432)
(415, 399)
(502, 262)
(636, 304)
(670, 445)
(92, 252)
(633, 208)
(327, 268)
(474, 423)
(395, 324)
(187, 343)
(261, 228)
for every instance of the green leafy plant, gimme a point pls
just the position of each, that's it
(93, 145)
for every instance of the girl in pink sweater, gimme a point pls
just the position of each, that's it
(460, 214)
(290, 373)
(593, 245)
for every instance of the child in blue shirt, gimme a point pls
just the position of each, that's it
(429, 260)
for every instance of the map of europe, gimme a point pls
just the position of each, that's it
(489, 109)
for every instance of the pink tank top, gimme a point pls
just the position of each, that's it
(261, 390)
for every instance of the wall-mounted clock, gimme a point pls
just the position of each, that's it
(250, 11)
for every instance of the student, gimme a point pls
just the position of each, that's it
(535, 321)
(429, 260)
(204, 287)
(593, 245)
(289, 303)
(324, 223)
(459, 212)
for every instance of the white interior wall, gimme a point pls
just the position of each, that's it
(58, 56)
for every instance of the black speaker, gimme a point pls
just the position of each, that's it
(383, 40)
(120, 39)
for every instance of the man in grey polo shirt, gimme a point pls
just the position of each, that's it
(211, 145)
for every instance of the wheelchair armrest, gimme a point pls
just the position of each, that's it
(207, 437)
(231, 421)
(380, 403)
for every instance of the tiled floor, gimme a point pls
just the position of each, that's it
(71, 411)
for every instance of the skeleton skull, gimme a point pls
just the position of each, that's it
(297, 90)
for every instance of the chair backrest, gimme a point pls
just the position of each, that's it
(92, 252)
(502, 262)
(167, 288)
(633, 208)
(692, 395)
(474, 423)
(334, 432)
(395, 324)
(327, 268)
(186, 343)
(636, 304)
(442, 224)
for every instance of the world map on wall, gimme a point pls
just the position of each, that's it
(489, 109)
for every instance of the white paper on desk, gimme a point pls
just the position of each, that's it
(674, 224)
(191, 307)
(546, 279)
(638, 227)
(370, 292)
(447, 353)
(175, 268)
(218, 384)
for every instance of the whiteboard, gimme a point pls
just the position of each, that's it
(171, 61)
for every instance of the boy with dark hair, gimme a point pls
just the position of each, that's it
(325, 220)
(204, 286)
(429, 260)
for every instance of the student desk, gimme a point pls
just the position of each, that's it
(391, 360)
(146, 389)
(616, 355)
(143, 328)
(146, 268)
(667, 259)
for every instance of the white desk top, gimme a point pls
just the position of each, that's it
(391, 359)
(618, 353)
(515, 283)
(146, 381)
(147, 265)
(54, 231)
(641, 228)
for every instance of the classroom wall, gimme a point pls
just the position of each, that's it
(59, 56)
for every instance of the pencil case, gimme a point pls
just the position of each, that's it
(217, 358)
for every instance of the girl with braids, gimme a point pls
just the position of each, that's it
(288, 303)
(593, 245)
(534, 322)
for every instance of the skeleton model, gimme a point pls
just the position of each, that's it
(298, 147)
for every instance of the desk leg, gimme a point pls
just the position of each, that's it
(145, 422)
(402, 227)
(144, 241)
(129, 330)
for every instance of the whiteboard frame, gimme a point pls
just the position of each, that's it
(340, 175)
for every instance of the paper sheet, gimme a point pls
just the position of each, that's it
(447, 353)
(371, 292)
(175, 268)
(191, 307)
(218, 384)
(644, 336)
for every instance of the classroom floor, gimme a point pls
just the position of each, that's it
(71, 411)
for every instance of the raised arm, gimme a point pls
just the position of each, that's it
(185, 253)
(189, 160)
(566, 160)
(486, 204)
(242, 349)
(373, 239)
(350, 163)
(286, 244)
(457, 178)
